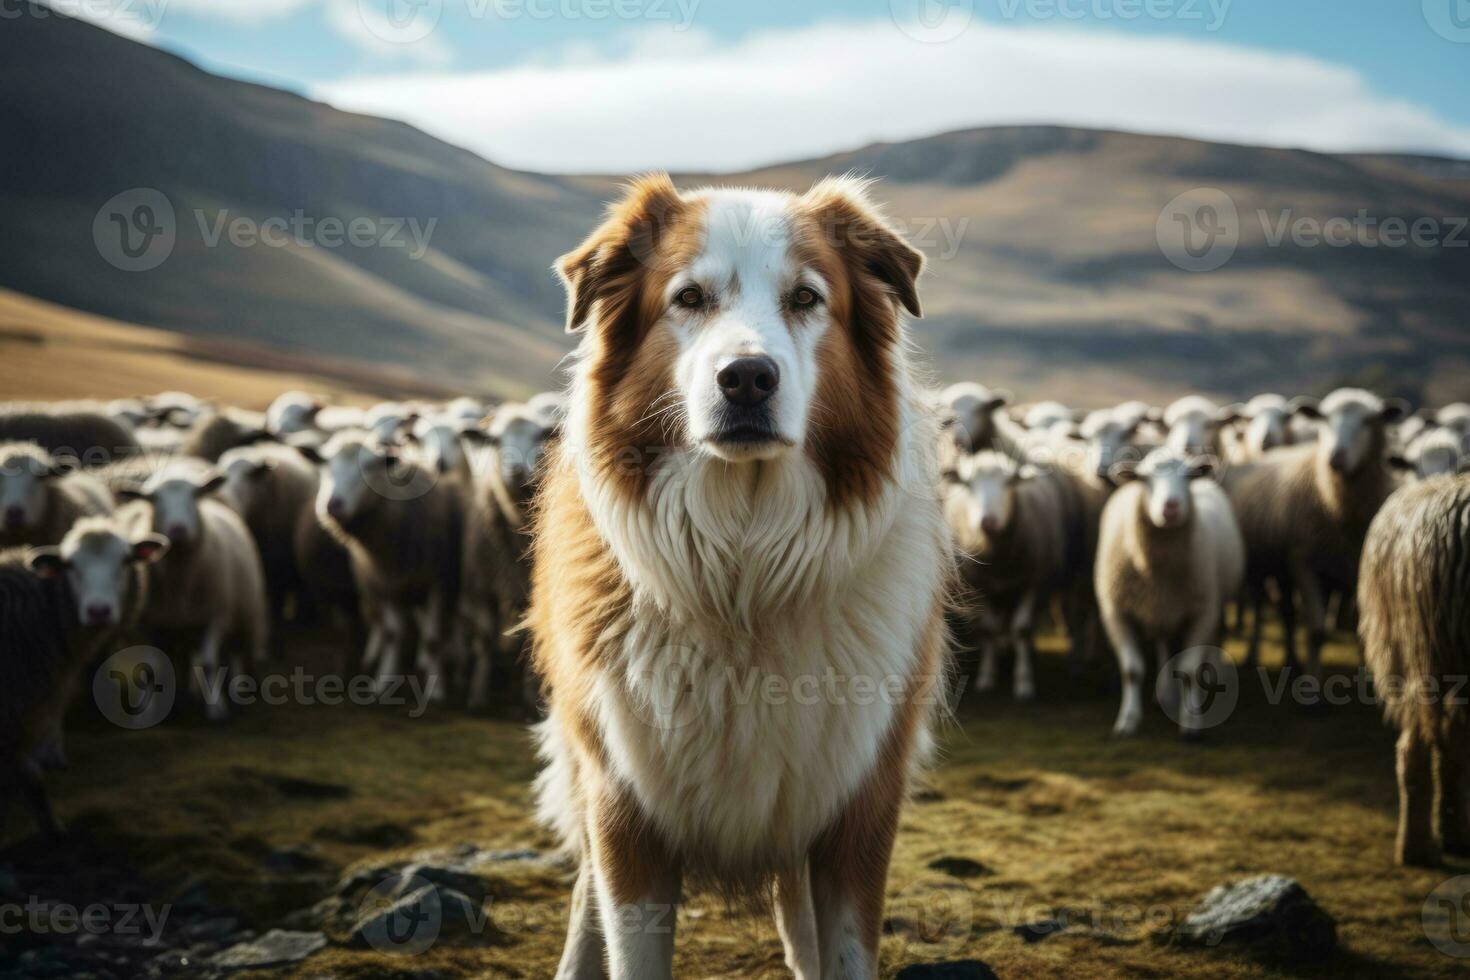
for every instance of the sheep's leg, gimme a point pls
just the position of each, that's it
(985, 677)
(1023, 623)
(1199, 662)
(1416, 844)
(1168, 683)
(1131, 667)
(581, 957)
(433, 635)
(1452, 759)
(1286, 609)
(393, 637)
(482, 636)
(211, 675)
(1314, 609)
(796, 921)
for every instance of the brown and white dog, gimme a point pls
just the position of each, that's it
(740, 573)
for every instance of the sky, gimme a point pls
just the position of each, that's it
(617, 86)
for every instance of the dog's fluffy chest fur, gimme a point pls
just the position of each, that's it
(750, 684)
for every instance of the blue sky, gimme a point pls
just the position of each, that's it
(600, 84)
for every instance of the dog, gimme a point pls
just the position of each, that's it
(740, 574)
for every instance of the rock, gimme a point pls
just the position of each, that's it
(459, 880)
(958, 970)
(500, 857)
(413, 922)
(217, 929)
(1035, 932)
(1272, 911)
(275, 948)
(959, 867)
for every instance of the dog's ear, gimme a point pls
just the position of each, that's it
(859, 234)
(628, 237)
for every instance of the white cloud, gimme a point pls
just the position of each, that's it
(413, 34)
(133, 19)
(239, 11)
(680, 101)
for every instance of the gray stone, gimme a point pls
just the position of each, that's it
(1268, 910)
(275, 948)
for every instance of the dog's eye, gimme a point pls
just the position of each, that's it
(804, 298)
(690, 297)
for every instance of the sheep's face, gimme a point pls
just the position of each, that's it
(1268, 429)
(99, 565)
(245, 478)
(1107, 437)
(1442, 452)
(989, 480)
(973, 418)
(1351, 425)
(357, 472)
(23, 484)
(1165, 476)
(291, 413)
(175, 499)
(384, 421)
(440, 441)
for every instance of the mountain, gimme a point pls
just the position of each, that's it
(1046, 270)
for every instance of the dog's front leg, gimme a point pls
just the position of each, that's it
(637, 884)
(849, 871)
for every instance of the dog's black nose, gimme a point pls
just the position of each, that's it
(748, 381)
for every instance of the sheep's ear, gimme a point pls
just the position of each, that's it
(479, 437)
(950, 475)
(214, 480)
(62, 465)
(1394, 410)
(47, 562)
(1399, 462)
(1305, 407)
(261, 467)
(1123, 470)
(998, 398)
(256, 436)
(149, 548)
(309, 449)
(1202, 469)
(1230, 414)
(130, 491)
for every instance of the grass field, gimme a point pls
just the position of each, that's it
(1118, 837)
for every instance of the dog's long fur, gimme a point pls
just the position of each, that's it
(708, 630)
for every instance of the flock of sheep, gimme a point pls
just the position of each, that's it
(205, 528)
(202, 529)
(1151, 522)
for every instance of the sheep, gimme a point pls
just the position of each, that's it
(271, 486)
(326, 583)
(1112, 437)
(403, 528)
(41, 496)
(1021, 530)
(440, 440)
(177, 408)
(498, 545)
(292, 412)
(975, 420)
(1267, 425)
(467, 410)
(1415, 631)
(212, 583)
(1435, 453)
(1170, 555)
(550, 406)
(59, 606)
(216, 430)
(385, 419)
(1304, 510)
(1049, 415)
(81, 430)
(1194, 423)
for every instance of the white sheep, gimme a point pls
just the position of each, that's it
(1194, 423)
(211, 582)
(1170, 555)
(42, 496)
